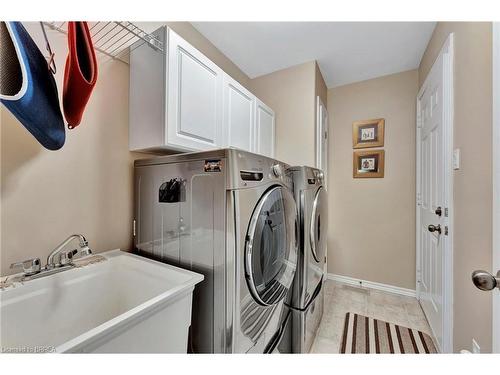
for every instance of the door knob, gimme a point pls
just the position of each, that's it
(438, 211)
(434, 228)
(485, 281)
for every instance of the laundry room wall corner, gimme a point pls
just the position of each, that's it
(372, 220)
(290, 93)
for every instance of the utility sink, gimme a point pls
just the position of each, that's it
(122, 304)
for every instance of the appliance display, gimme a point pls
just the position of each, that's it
(307, 296)
(231, 216)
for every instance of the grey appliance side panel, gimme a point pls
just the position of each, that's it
(157, 224)
(231, 272)
(143, 216)
(305, 323)
(188, 232)
(150, 217)
(202, 243)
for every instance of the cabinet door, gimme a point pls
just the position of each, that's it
(264, 129)
(239, 115)
(194, 98)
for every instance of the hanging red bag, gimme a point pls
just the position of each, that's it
(80, 72)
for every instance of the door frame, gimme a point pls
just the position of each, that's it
(319, 132)
(496, 181)
(319, 136)
(447, 51)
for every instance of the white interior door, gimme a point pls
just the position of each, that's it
(322, 138)
(434, 204)
(431, 182)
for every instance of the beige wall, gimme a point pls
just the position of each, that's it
(372, 221)
(322, 91)
(320, 85)
(291, 94)
(86, 187)
(473, 182)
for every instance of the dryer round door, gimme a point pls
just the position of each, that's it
(319, 223)
(270, 250)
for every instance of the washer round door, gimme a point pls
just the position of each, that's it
(319, 223)
(271, 246)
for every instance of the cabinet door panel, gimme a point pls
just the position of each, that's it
(194, 97)
(264, 130)
(239, 115)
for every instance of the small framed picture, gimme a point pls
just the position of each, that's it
(368, 133)
(368, 164)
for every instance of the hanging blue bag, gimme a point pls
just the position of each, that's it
(27, 87)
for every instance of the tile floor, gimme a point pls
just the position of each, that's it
(341, 298)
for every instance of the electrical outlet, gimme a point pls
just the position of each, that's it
(475, 347)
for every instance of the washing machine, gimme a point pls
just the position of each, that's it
(307, 292)
(231, 216)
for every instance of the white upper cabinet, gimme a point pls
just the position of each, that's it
(239, 115)
(147, 106)
(180, 100)
(194, 97)
(264, 129)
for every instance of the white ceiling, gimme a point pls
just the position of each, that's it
(346, 51)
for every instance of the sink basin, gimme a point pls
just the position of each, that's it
(124, 304)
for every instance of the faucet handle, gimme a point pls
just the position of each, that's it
(66, 257)
(84, 251)
(30, 266)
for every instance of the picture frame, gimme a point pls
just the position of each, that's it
(368, 164)
(368, 133)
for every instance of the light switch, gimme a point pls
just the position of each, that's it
(456, 159)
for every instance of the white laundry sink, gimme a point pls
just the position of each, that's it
(124, 304)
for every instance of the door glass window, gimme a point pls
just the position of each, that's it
(270, 247)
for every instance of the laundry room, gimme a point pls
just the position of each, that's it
(289, 185)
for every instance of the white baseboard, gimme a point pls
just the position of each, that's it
(372, 285)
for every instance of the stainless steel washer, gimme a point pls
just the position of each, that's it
(307, 296)
(230, 215)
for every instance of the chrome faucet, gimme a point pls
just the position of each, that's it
(58, 260)
(64, 257)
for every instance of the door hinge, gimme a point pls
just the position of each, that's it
(446, 212)
(446, 230)
(133, 229)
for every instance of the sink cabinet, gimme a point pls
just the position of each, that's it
(117, 303)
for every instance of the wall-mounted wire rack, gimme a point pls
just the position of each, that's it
(114, 38)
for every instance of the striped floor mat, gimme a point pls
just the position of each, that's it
(363, 334)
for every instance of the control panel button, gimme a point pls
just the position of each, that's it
(277, 170)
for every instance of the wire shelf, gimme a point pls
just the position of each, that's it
(114, 38)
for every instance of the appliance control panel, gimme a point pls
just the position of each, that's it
(277, 170)
(252, 170)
